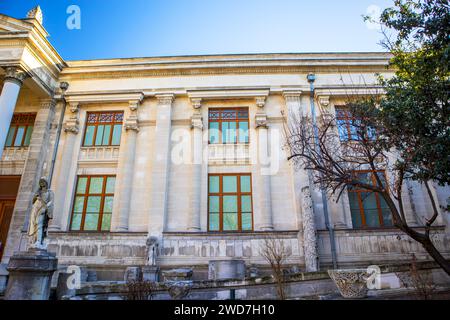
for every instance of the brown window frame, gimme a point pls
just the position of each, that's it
(237, 120)
(86, 195)
(377, 197)
(238, 194)
(97, 123)
(21, 120)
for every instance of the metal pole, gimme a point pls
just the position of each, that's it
(311, 78)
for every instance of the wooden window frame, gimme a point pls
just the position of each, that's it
(97, 123)
(86, 195)
(30, 119)
(220, 120)
(377, 198)
(238, 194)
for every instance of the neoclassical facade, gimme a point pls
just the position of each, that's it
(188, 150)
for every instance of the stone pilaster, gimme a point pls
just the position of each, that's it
(161, 165)
(124, 182)
(263, 165)
(33, 171)
(61, 184)
(197, 144)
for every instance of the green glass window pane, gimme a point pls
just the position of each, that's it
(81, 187)
(78, 204)
(230, 221)
(243, 132)
(99, 136)
(91, 222)
(106, 134)
(214, 222)
(228, 132)
(229, 184)
(28, 134)
(386, 212)
(230, 204)
(354, 209)
(93, 204)
(9, 138)
(342, 128)
(110, 182)
(247, 221)
(214, 204)
(246, 204)
(76, 222)
(245, 184)
(108, 206)
(213, 184)
(214, 133)
(106, 222)
(117, 132)
(369, 202)
(89, 136)
(96, 185)
(19, 136)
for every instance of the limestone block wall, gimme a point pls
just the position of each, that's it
(366, 247)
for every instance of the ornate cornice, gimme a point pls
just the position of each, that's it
(15, 74)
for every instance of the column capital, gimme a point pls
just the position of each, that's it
(15, 74)
(164, 99)
(132, 123)
(197, 121)
(260, 101)
(292, 95)
(72, 124)
(196, 103)
(261, 121)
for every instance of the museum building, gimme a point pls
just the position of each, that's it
(188, 150)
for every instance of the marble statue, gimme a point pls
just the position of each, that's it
(152, 247)
(41, 213)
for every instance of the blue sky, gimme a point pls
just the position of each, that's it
(141, 28)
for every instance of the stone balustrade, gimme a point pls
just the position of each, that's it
(15, 154)
(228, 153)
(109, 153)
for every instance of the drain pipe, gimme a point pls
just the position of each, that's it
(63, 86)
(311, 78)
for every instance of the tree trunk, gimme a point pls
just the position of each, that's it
(437, 256)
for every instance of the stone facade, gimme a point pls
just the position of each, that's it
(164, 158)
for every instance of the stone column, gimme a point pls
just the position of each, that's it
(71, 129)
(307, 225)
(264, 173)
(161, 164)
(11, 87)
(197, 135)
(126, 167)
(33, 170)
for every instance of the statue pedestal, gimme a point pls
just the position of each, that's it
(150, 273)
(30, 275)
